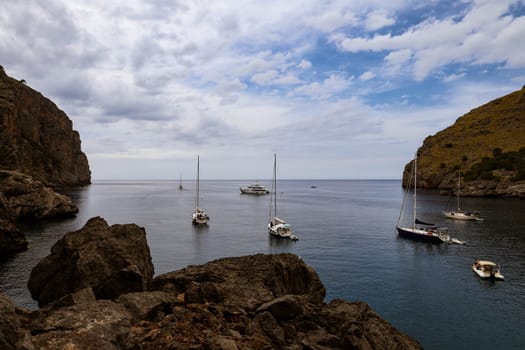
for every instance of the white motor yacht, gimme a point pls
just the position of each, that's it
(254, 189)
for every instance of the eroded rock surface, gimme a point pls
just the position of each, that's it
(111, 260)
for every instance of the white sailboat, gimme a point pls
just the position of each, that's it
(416, 229)
(460, 214)
(199, 216)
(277, 227)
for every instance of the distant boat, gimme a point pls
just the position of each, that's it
(417, 229)
(180, 182)
(460, 214)
(254, 189)
(278, 227)
(487, 270)
(199, 216)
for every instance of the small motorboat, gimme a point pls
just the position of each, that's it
(487, 270)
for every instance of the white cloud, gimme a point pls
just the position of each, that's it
(159, 80)
(325, 89)
(305, 64)
(288, 79)
(485, 35)
(453, 77)
(328, 21)
(367, 76)
(377, 20)
(264, 78)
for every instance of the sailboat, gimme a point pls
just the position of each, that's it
(459, 214)
(418, 230)
(180, 182)
(277, 227)
(199, 216)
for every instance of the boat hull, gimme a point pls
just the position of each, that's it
(291, 236)
(421, 235)
(457, 215)
(257, 193)
(200, 221)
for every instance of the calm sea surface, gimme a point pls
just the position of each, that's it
(347, 234)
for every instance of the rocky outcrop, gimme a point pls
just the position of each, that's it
(246, 281)
(37, 138)
(110, 260)
(12, 240)
(22, 197)
(30, 199)
(251, 302)
(486, 188)
(486, 145)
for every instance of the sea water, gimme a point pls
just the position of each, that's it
(346, 233)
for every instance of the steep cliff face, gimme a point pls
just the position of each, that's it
(37, 138)
(486, 145)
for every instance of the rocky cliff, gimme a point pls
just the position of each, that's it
(251, 302)
(37, 138)
(486, 145)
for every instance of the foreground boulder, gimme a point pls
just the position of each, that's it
(251, 302)
(260, 302)
(96, 292)
(245, 281)
(111, 260)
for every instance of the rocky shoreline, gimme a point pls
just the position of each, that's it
(485, 188)
(96, 290)
(24, 198)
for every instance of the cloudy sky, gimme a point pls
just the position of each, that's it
(338, 89)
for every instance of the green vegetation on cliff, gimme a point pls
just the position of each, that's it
(489, 167)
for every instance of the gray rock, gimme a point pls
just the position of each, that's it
(110, 260)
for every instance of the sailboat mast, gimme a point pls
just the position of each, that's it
(275, 186)
(273, 193)
(197, 186)
(415, 192)
(459, 186)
